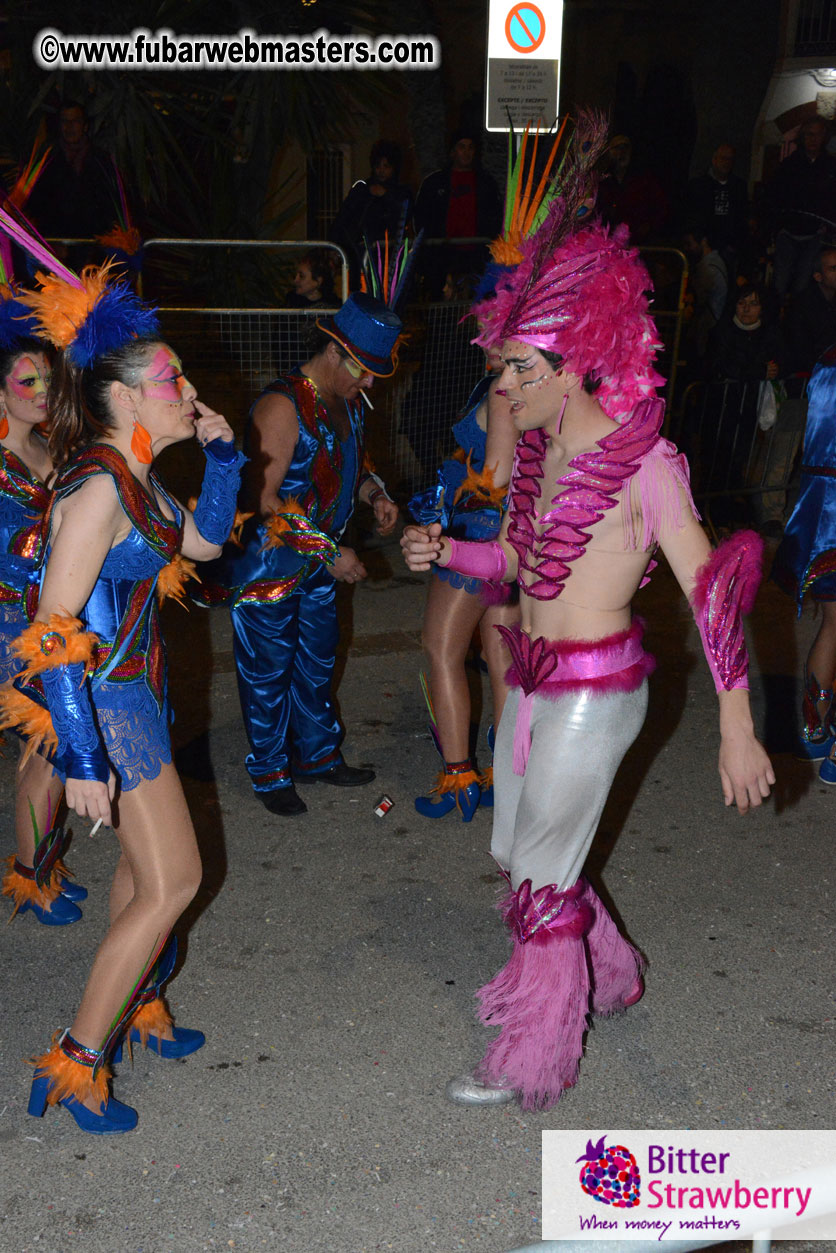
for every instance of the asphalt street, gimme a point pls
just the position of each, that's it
(331, 960)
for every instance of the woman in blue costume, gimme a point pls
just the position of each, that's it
(95, 658)
(468, 497)
(806, 562)
(25, 467)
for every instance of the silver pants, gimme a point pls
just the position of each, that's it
(544, 821)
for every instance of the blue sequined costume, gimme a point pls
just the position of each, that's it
(806, 557)
(23, 501)
(283, 603)
(468, 518)
(128, 686)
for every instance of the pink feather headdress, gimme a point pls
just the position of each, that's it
(581, 291)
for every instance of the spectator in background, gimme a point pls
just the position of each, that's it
(719, 199)
(76, 196)
(745, 344)
(800, 202)
(374, 206)
(710, 285)
(811, 317)
(630, 196)
(459, 201)
(313, 282)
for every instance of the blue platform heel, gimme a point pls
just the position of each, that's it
(49, 905)
(150, 1019)
(457, 788)
(69, 1074)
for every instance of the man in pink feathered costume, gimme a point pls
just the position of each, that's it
(595, 490)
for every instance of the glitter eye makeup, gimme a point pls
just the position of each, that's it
(166, 377)
(27, 381)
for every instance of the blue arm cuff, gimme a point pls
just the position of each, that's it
(214, 512)
(80, 753)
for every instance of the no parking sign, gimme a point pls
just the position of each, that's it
(523, 62)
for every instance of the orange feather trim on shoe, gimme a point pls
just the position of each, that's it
(172, 579)
(486, 778)
(480, 484)
(454, 783)
(61, 308)
(28, 718)
(150, 1019)
(71, 1078)
(61, 871)
(60, 642)
(25, 891)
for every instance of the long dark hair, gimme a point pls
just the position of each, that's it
(78, 401)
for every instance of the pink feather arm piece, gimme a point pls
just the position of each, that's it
(478, 560)
(724, 592)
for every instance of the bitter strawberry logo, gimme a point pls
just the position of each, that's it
(610, 1174)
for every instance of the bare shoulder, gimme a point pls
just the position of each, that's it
(275, 421)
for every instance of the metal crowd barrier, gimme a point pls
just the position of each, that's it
(234, 346)
(740, 472)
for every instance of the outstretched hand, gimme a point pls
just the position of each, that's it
(746, 772)
(422, 545)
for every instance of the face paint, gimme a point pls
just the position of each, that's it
(533, 382)
(29, 380)
(166, 377)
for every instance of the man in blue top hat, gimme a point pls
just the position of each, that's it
(305, 441)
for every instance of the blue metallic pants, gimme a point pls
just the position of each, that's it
(284, 655)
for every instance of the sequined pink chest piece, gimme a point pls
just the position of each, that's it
(546, 546)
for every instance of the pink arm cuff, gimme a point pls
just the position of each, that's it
(478, 560)
(724, 592)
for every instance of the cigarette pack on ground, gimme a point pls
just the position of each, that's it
(383, 806)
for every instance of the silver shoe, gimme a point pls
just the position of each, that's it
(468, 1090)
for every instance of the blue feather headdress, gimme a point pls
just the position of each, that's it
(16, 321)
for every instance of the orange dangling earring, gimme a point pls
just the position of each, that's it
(4, 425)
(141, 444)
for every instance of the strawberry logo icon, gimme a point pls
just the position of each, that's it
(610, 1174)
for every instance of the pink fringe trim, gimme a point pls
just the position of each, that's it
(541, 997)
(615, 964)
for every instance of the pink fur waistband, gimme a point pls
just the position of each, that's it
(552, 668)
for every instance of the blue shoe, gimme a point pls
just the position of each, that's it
(60, 913)
(814, 750)
(440, 805)
(73, 891)
(185, 1041)
(827, 773)
(113, 1119)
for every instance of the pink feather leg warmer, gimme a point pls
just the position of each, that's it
(540, 998)
(616, 965)
(724, 592)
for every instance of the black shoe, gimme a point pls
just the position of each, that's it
(284, 801)
(340, 775)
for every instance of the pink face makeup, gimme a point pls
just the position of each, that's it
(29, 379)
(166, 377)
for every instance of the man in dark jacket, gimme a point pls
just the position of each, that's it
(459, 201)
(801, 198)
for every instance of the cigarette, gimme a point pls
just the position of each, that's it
(365, 397)
(96, 826)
